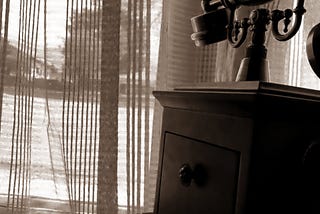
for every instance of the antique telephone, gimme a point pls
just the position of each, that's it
(217, 24)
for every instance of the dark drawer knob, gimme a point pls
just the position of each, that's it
(186, 174)
(198, 175)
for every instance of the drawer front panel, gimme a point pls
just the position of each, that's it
(197, 177)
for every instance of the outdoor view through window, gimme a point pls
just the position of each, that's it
(51, 98)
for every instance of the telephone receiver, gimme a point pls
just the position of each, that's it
(313, 49)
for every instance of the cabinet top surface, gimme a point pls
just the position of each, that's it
(242, 98)
(245, 88)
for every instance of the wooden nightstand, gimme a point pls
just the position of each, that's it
(239, 148)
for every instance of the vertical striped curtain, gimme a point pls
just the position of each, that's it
(82, 104)
(18, 94)
(76, 105)
(137, 78)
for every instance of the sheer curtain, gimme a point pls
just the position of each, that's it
(76, 105)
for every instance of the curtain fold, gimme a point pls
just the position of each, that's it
(136, 83)
(107, 200)
(82, 116)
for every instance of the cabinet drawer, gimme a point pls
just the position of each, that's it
(197, 177)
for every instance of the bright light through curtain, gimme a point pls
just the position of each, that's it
(76, 105)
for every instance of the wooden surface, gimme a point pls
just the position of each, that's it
(244, 99)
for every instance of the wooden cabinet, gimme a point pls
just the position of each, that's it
(239, 148)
